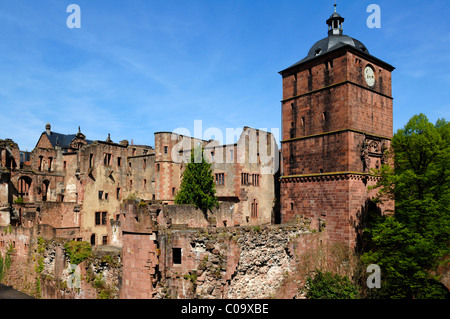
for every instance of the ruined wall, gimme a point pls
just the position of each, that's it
(35, 262)
(227, 263)
(165, 258)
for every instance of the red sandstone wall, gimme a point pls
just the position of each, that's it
(338, 201)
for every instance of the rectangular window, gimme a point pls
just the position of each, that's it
(131, 184)
(105, 240)
(144, 165)
(173, 191)
(106, 196)
(176, 256)
(50, 161)
(220, 179)
(118, 193)
(101, 218)
(166, 149)
(255, 179)
(64, 165)
(119, 161)
(100, 194)
(107, 159)
(145, 184)
(244, 178)
(91, 160)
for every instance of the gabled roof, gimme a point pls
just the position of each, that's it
(63, 140)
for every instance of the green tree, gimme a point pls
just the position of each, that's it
(197, 185)
(411, 245)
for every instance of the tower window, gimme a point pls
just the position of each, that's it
(324, 116)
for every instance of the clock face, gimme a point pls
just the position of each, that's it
(369, 75)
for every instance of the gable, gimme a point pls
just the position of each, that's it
(44, 142)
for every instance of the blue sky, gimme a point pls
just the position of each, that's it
(140, 66)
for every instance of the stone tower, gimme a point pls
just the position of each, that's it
(337, 112)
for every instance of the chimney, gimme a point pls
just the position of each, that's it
(48, 128)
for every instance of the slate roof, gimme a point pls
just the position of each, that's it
(62, 139)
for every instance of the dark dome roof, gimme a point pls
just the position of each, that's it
(330, 43)
(333, 42)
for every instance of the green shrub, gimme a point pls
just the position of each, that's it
(330, 286)
(78, 251)
(19, 200)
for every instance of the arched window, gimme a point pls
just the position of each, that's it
(24, 185)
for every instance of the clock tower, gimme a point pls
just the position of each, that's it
(337, 112)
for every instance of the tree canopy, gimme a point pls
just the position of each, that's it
(413, 243)
(197, 185)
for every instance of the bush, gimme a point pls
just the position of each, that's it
(19, 200)
(330, 286)
(78, 251)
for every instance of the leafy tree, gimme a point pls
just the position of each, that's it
(330, 286)
(411, 245)
(197, 185)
